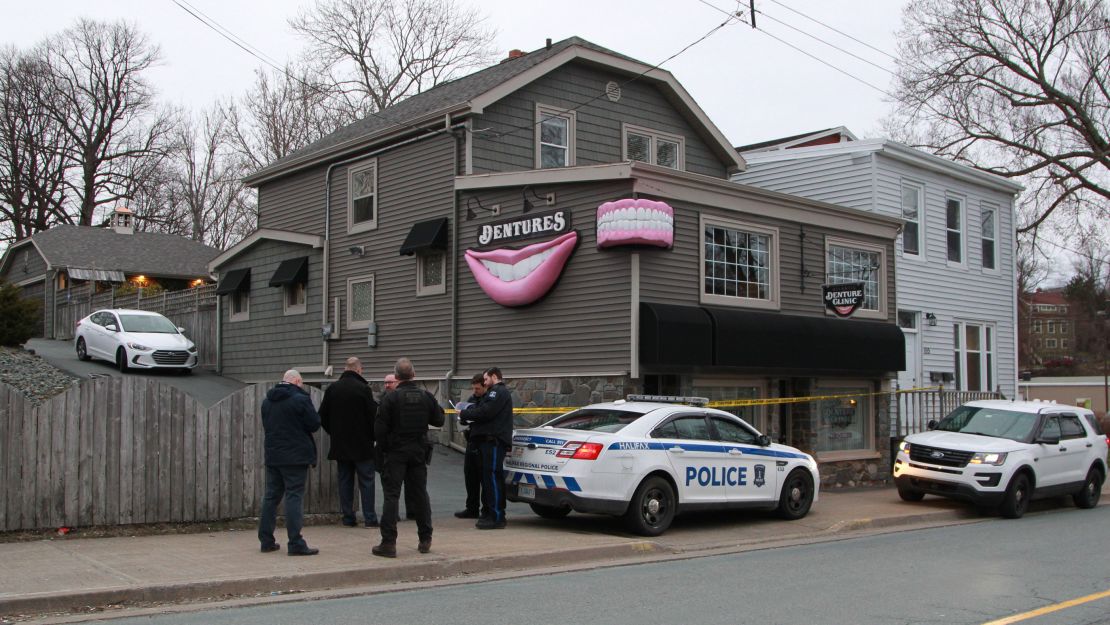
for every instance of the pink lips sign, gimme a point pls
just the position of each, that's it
(516, 277)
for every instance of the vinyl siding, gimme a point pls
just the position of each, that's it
(415, 183)
(672, 277)
(270, 342)
(964, 292)
(581, 327)
(599, 122)
(296, 203)
(26, 263)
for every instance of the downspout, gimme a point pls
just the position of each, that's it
(327, 213)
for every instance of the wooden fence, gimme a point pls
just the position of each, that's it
(116, 451)
(193, 309)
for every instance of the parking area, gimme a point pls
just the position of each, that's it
(205, 386)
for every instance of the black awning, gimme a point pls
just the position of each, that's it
(675, 335)
(234, 281)
(426, 235)
(744, 338)
(292, 271)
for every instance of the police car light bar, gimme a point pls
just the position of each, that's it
(670, 399)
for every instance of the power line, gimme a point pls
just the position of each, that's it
(515, 129)
(812, 56)
(831, 45)
(836, 30)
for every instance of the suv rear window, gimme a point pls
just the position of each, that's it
(1016, 426)
(594, 420)
(1095, 425)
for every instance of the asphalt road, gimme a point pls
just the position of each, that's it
(204, 386)
(965, 574)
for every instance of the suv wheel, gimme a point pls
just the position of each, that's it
(1016, 500)
(910, 494)
(549, 512)
(1092, 489)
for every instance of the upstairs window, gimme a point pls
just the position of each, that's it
(430, 273)
(362, 196)
(555, 130)
(656, 148)
(989, 219)
(912, 201)
(1036, 326)
(739, 264)
(954, 217)
(853, 262)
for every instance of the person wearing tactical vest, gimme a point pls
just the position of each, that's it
(491, 428)
(401, 438)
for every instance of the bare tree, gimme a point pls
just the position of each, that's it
(106, 107)
(32, 149)
(206, 187)
(1019, 88)
(282, 112)
(378, 52)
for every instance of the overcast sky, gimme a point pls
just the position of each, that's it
(752, 86)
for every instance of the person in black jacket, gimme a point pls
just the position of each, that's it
(401, 440)
(288, 420)
(472, 459)
(491, 427)
(347, 415)
(390, 383)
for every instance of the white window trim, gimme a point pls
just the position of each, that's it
(921, 238)
(572, 124)
(243, 316)
(963, 230)
(362, 323)
(371, 224)
(991, 207)
(655, 136)
(286, 307)
(882, 312)
(772, 303)
(1051, 343)
(961, 348)
(868, 452)
(435, 289)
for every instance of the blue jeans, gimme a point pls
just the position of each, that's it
(364, 470)
(284, 482)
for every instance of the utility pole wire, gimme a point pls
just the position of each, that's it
(836, 30)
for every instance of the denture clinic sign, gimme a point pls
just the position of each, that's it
(528, 227)
(843, 299)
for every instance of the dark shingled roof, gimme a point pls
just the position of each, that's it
(150, 253)
(439, 98)
(764, 144)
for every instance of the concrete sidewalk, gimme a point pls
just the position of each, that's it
(78, 574)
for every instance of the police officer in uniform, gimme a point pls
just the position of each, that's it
(472, 459)
(491, 429)
(401, 435)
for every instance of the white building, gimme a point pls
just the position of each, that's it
(955, 281)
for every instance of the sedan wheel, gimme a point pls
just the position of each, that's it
(121, 360)
(82, 351)
(797, 495)
(652, 507)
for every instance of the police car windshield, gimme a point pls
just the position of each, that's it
(1016, 426)
(594, 420)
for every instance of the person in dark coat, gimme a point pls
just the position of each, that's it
(347, 415)
(491, 427)
(472, 458)
(288, 420)
(390, 384)
(401, 440)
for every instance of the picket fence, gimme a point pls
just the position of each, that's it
(123, 450)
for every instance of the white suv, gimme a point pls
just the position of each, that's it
(1005, 453)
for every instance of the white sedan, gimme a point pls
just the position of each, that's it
(648, 458)
(135, 339)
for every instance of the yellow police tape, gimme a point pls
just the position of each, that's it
(738, 403)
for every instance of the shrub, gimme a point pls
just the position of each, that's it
(20, 318)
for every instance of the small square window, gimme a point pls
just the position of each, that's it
(240, 306)
(360, 302)
(294, 297)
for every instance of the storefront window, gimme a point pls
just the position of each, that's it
(843, 424)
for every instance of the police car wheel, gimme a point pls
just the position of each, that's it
(910, 494)
(1092, 488)
(652, 507)
(549, 512)
(1017, 498)
(797, 495)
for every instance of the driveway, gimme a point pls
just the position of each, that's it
(203, 385)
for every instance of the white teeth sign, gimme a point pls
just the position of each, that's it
(532, 226)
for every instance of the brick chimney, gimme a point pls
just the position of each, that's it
(514, 54)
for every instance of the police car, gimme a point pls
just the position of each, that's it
(648, 458)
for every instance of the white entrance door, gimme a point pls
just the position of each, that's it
(907, 379)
